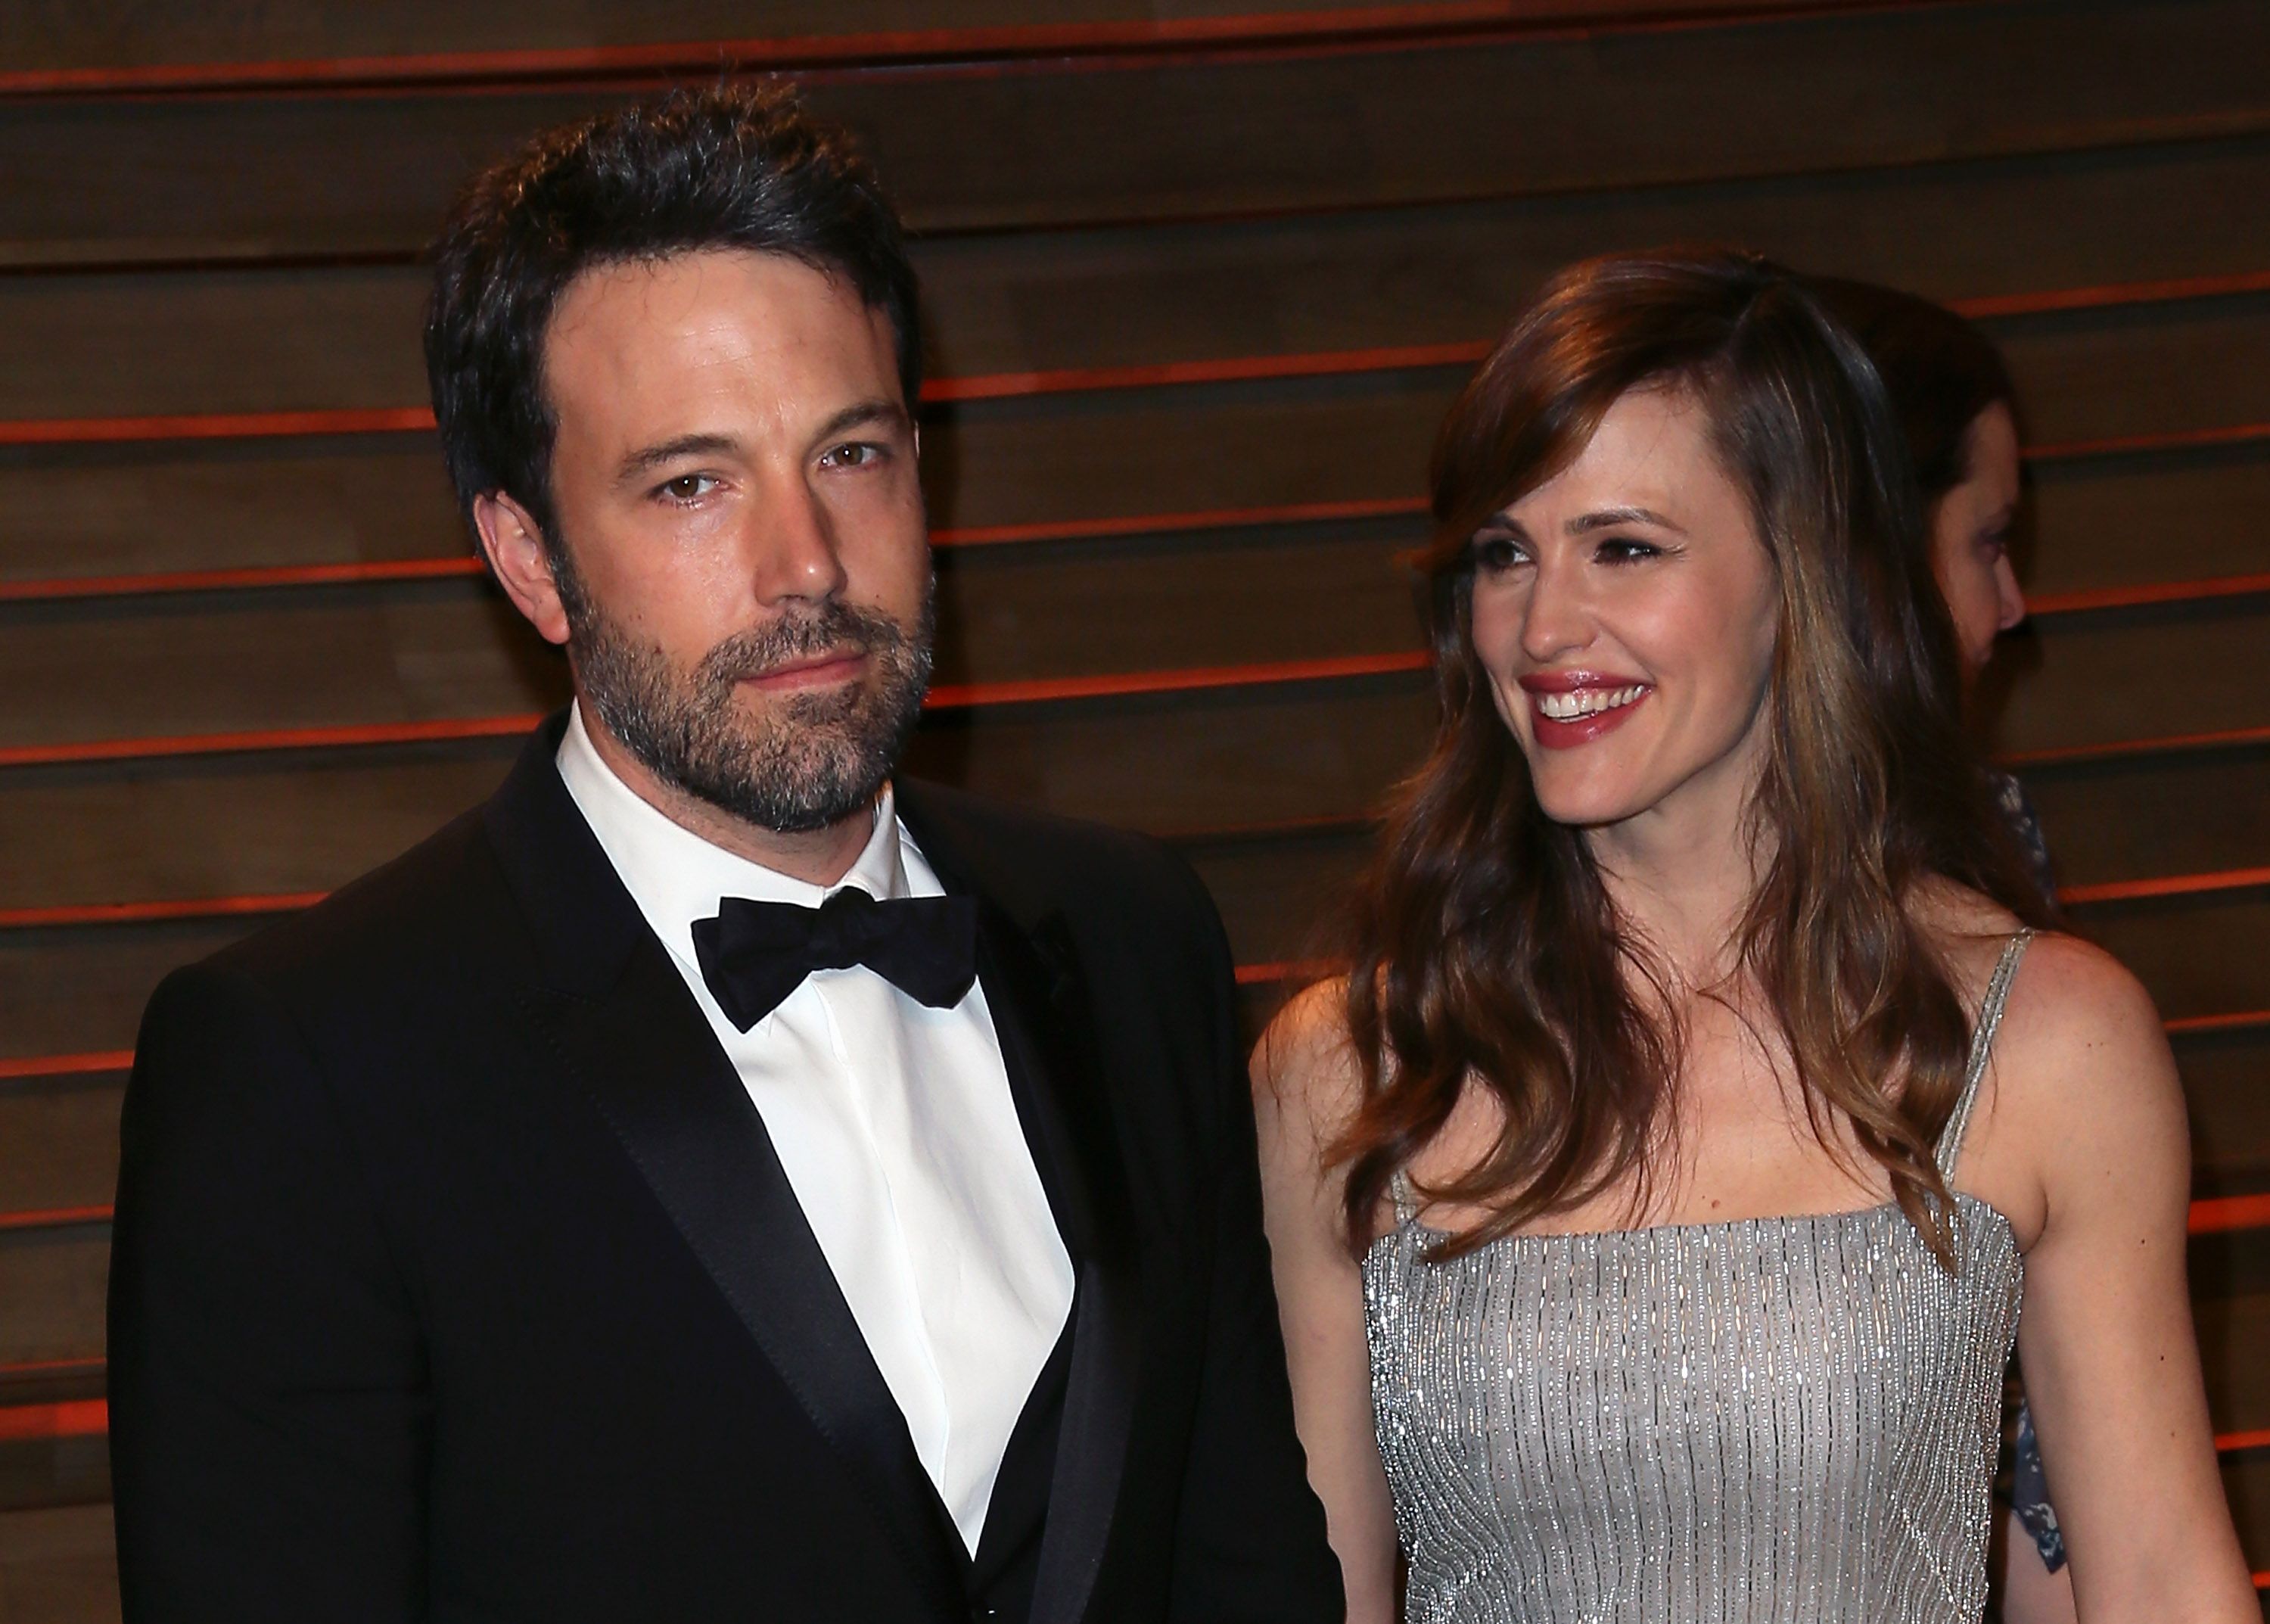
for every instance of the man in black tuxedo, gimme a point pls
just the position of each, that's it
(712, 1180)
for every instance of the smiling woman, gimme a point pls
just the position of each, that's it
(1648, 1228)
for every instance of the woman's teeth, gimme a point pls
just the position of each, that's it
(1586, 701)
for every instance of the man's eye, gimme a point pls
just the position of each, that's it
(858, 454)
(689, 487)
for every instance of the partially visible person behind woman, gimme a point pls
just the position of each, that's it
(1648, 1219)
(1957, 409)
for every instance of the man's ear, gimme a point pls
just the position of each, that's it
(515, 550)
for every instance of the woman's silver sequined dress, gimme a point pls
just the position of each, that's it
(1780, 1419)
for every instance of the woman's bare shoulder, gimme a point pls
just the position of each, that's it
(1305, 1065)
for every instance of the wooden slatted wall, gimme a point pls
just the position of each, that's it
(1202, 284)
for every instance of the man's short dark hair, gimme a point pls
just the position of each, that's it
(731, 166)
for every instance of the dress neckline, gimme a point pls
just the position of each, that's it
(1945, 1153)
(1786, 1220)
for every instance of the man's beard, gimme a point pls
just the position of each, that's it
(816, 758)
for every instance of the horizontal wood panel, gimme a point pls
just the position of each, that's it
(278, 174)
(2118, 521)
(103, 510)
(2246, 1481)
(51, 34)
(237, 824)
(67, 992)
(2102, 677)
(2140, 369)
(418, 40)
(2196, 956)
(61, 1135)
(447, 649)
(78, 989)
(50, 1575)
(52, 1282)
(1181, 762)
(223, 662)
(83, 510)
(2170, 814)
(73, 672)
(2227, 1082)
(276, 824)
(347, 336)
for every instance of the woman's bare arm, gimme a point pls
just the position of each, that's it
(1303, 1085)
(2111, 1358)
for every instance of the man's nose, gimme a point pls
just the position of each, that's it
(793, 550)
(1557, 617)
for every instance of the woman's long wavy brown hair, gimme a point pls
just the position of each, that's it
(1487, 952)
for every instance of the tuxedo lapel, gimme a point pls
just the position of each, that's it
(1038, 997)
(616, 1018)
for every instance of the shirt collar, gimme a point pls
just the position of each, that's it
(677, 878)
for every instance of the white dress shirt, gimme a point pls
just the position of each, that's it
(895, 1125)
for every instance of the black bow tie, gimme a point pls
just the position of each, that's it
(754, 954)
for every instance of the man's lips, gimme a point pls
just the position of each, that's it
(1572, 708)
(815, 670)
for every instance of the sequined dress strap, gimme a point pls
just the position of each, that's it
(1405, 1199)
(1982, 1043)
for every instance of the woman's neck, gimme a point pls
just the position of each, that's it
(1683, 886)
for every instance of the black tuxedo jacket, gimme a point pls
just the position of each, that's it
(456, 1279)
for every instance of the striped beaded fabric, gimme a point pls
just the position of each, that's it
(1777, 1419)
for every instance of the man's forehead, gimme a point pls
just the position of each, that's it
(712, 321)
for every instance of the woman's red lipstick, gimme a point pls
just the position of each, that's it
(1580, 696)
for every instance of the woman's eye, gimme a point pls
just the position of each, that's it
(1624, 550)
(1493, 555)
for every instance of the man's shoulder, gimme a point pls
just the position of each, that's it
(408, 918)
(1043, 860)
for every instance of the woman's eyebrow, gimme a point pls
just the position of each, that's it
(1606, 518)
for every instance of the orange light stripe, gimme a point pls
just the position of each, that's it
(2239, 1020)
(2214, 1215)
(982, 386)
(1007, 43)
(2135, 445)
(2224, 1214)
(950, 697)
(2167, 884)
(232, 580)
(2120, 749)
(281, 739)
(1221, 369)
(1227, 369)
(79, 1418)
(1194, 679)
(55, 1218)
(2211, 587)
(67, 1065)
(2234, 1442)
(213, 426)
(460, 565)
(149, 913)
(2173, 290)
(81, 914)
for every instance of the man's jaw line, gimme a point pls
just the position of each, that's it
(817, 857)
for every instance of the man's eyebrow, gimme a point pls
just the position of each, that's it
(861, 413)
(1608, 518)
(647, 458)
